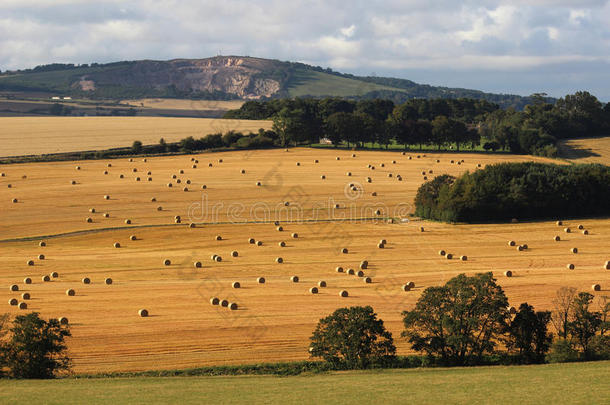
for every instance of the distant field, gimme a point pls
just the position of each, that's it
(587, 150)
(575, 383)
(184, 104)
(311, 83)
(40, 135)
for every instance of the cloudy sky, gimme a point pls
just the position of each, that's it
(521, 47)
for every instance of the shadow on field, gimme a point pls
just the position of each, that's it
(572, 152)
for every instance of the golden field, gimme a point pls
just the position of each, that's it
(275, 319)
(184, 104)
(586, 150)
(40, 135)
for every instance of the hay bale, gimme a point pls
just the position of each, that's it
(570, 266)
(348, 174)
(393, 162)
(441, 252)
(567, 230)
(421, 229)
(106, 215)
(128, 221)
(380, 245)
(89, 220)
(121, 176)
(108, 281)
(525, 247)
(339, 269)
(353, 155)
(218, 259)
(233, 306)
(41, 257)
(260, 280)
(77, 167)
(322, 284)
(559, 223)
(181, 171)
(374, 194)
(351, 272)
(449, 256)
(364, 264)
(42, 244)
(13, 301)
(170, 185)
(298, 164)
(167, 262)
(508, 273)
(54, 274)
(316, 161)
(218, 237)
(25, 296)
(323, 177)
(22, 305)
(251, 240)
(106, 197)
(177, 217)
(178, 220)
(294, 279)
(279, 260)
(574, 250)
(27, 280)
(411, 284)
(117, 245)
(463, 258)
(279, 229)
(234, 253)
(137, 179)
(596, 287)
(197, 265)
(338, 158)
(511, 243)
(236, 284)
(520, 248)
(14, 287)
(46, 278)
(360, 273)
(258, 183)
(557, 238)
(86, 280)
(344, 251)
(185, 189)
(282, 244)
(585, 232)
(581, 227)
(70, 292)
(224, 303)
(143, 313)
(242, 171)
(313, 290)
(73, 182)
(367, 280)
(343, 294)
(30, 262)
(378, 212)
(336, 206)
(259, 243)
(607, 265)
(294, 235)
(203, 186)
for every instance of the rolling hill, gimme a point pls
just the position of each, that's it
(222, 78)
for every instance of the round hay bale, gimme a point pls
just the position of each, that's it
(178, 181)
(242, 171)
(585, 232)
(559, 223)
(197, 265)
(167, 262)
(170, 185)
(337, 158)
(298, 164)
(181, 171)
(185, 189)
(449, 256)
(344, 251)
(339, 269)
(367, 280)
(178, 220)
(73, 182)
(421, 229)
(364, 264)
(282, 244)
(351, 272)
(149, 179)
(295, 235)
(360, 273)
(213, 257)
(174, 176)
(224, 303)
(382, 164)
(313, 290)
(77, 167)
(219, 160)
(133, 237)
(441, 252)
(294, 279)
(233, 306)
(234, 253)
(374, 194)
(348, 174)
(511, 243)
(143, 313)
(128, 221)
(106, 197)
(54, 274)
(574, 250)
(353, 155)
(13, 301)
(2, 174)
(236, 284)
(42, 244)
(148, 173)
(131, 160)
(279, 260)
(279, 229)
(336, 206)
(406, 287)
(204, 186)
(508, 273)
(89, 220)
(259, 243)
(380, 245)
(70, 292)
(463, 258)
(121, 176)
(214, 301)
(14, 287)
(107, 281)
(218, 259)
(525, 247)
(607, 265)
(27, 280)
(581, 227)
(177, 217)
(567, 230)
(343, 294)
(106, 215)
(261, 280)
(322, 284)
(323, 177)
(411, 284)
(218, 237)
(46, 278)
(25, 296)
(393, 162)
(137, 179)
(316, 161)
(22, 305)
(596, 287)
(251, 240)
(378, 212)
(557, 238)
(570, 266)
(41, 257)
(520, 248)
(258, 183)
(30, 262)
(117, 245)
(210, 165)
(86, 280)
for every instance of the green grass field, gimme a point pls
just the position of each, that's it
(311, 83)
(575, 383)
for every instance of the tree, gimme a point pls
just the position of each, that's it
(3, 331)
(441, 131)
(36, 348)
(288, 125)
(163, 145)
(528, 334)
(352, 337)
(585, 323)
(460, 321)
(562, 310)
(136, 147)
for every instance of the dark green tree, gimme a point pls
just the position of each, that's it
(585, 323)
(36, 348)
(528, 334)
(352, 337)
(441, 131)
(460, 321)
(136, 147)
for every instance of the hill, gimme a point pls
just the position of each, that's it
(223, 78)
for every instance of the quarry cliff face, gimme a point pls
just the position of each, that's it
(242, 76)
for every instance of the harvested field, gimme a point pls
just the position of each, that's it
(587, 150)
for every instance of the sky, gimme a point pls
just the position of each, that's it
(517, 47)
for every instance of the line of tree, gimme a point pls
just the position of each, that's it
(445, 123)
(467, 321)
(516, 190)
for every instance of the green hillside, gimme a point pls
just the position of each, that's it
(318, 84)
